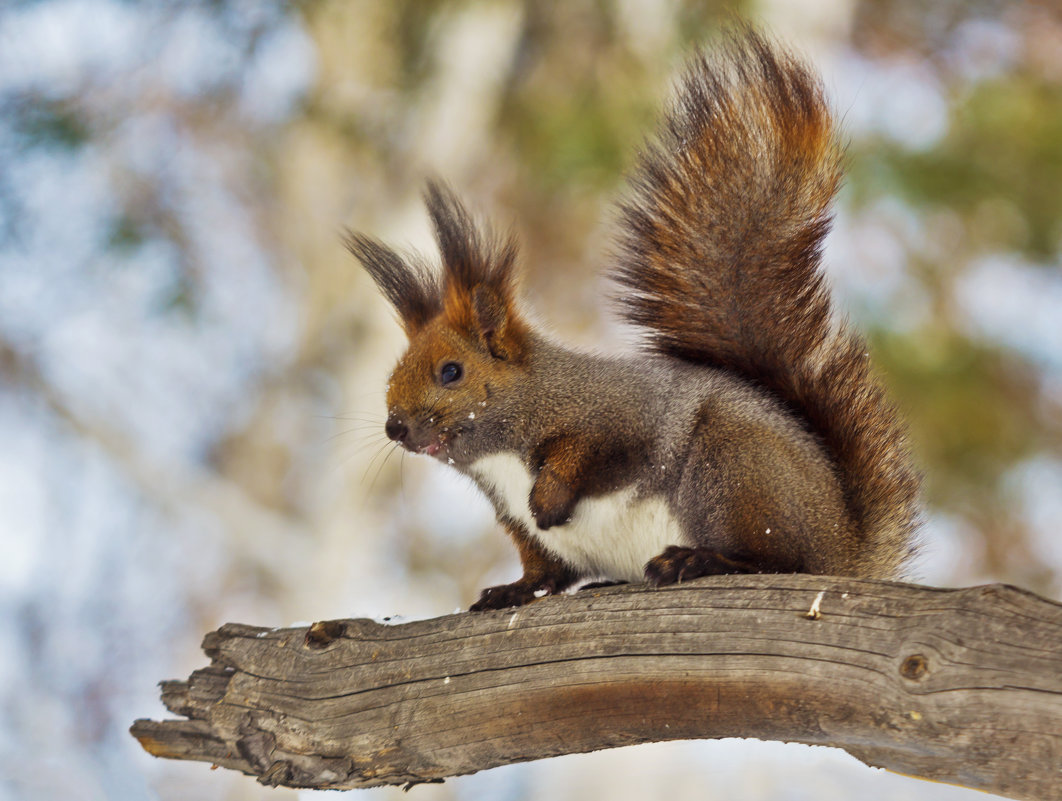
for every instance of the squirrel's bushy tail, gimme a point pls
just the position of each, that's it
(719, 261)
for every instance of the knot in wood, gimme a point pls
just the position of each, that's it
(323, 633)
(915, 667)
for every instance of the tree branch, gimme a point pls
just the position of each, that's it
(962, 686)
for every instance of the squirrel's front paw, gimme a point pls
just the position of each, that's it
(507, 595)
(552, 502)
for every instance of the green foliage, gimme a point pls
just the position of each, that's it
(125, 234)
(50, 123)
(970, 407)
(581, 101)
(1000, 162)
(583, 138)
(975, 406)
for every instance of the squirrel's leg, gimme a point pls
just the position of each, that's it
(677, 564)
(544, 574)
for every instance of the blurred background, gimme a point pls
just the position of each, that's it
(192, 369)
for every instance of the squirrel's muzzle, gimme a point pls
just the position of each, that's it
(416, 439)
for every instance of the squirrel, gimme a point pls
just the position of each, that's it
(749, 435)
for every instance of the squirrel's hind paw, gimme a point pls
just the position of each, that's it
(677, 564)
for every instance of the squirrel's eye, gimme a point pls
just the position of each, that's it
(450, 372)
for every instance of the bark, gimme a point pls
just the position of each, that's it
(962, 686)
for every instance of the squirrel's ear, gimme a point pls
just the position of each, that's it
(410, 287)
(479, 276)
(497, 324)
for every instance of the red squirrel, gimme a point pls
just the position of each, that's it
(749, 436)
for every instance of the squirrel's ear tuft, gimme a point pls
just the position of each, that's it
(464, 263)
(470, 256)
(479, 275)
(410, 287)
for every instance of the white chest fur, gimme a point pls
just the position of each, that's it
(610, 536)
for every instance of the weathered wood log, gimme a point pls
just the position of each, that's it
(962, 686)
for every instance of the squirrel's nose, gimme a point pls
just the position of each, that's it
(396, 429)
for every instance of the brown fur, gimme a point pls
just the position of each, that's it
(755, 417)
(720, 262)
(579, 461)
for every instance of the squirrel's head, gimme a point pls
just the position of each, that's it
(467, 343)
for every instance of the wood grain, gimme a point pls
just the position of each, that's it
(962, 686)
